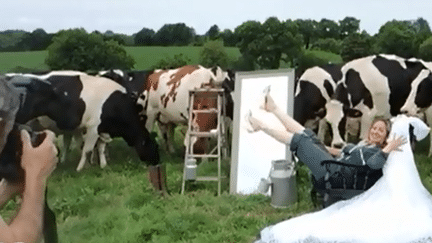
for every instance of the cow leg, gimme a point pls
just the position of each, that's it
(49, 224)
(322, 129)
(101, 145)
(151, 118)
(157, 177)
(67, 140)
(428, 118)
(366, 121)
(167, 131)
(90, 139)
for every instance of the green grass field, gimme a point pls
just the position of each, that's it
(117, 204)
(145, 57)
(31, 60)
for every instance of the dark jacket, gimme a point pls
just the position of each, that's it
(363, 154)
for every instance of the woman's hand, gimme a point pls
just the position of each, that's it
(395, 143)
(334, 151)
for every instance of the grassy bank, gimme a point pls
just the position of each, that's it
(117, 204)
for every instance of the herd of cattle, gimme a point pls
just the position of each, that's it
(117, 103)
(113, 104)
(350, 96)
(122, 104)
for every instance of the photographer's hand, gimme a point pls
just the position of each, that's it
(38, 163)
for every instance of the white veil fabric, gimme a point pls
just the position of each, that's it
(396, 209)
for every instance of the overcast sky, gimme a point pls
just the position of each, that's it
(130, 16)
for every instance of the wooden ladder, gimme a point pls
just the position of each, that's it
(219, 133)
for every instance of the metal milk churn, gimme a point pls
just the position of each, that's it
(283, 184)
(190, 172)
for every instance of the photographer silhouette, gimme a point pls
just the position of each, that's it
(24, 169)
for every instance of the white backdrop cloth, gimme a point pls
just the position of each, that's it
(396, 209)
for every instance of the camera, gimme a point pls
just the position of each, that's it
(10, 157)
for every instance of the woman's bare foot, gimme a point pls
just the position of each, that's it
(252, 124)
(268, 102)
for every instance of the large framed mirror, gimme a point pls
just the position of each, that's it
(252, 153)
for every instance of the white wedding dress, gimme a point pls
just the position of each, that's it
(396, 209)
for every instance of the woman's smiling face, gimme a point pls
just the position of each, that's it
(378, 132)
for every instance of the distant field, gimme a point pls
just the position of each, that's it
(30, 59)
(145, 57)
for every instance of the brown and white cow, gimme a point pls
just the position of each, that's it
(167, 99)
(164, 96)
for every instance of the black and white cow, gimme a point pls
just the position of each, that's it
(372, 86)
(44, 122)
(419, 101)
(314, 89)
(99, 106)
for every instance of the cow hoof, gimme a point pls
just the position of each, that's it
(79, 168)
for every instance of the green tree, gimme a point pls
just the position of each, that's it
(397, 37)
(34, 41)
(425, 50)
(213, 32)
(308, 29)
(174, 34)
(10, 38)
(75, 49)
(348, 26)
(229, 38)
(355, 46)
(172, 62)
(110, 35)
(269, 43)
(328, 44)
(144, 37)
(213, 54)
(423, 31)
(328, 29)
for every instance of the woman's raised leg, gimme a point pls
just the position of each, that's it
(270, 106)
(255, 125)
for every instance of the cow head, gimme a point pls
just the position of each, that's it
(419, 98)
(120, 118)
(334, 116)
(341, 119)
(38, 98)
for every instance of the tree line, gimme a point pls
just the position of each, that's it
(262, 45)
